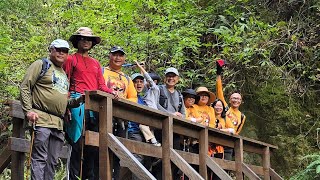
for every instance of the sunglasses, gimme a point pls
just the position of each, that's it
(85, 39)
(64, 50)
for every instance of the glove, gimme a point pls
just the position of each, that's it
(220, 64)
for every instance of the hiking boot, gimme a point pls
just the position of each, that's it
(156, 144)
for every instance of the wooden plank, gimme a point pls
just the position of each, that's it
(92, 103)
(238, 149)
(137, 115)
(91, 138)
(225, 164)
(23, 146)
(266, 163)
(274, 175)
(258, 143)
(105, 127)
(17, 158)
(128, 159)
(249, 173)
(128, 104)
(167, 144)
(187, 123)
(19, 144)
(217, 169)
(230, 165)
(225, 141)
(15, 109)
(256, 169)
(145, 149)
(5, 158)
(189, 132)
(191, 158)
(183, 165)
(249, 147)
(203, 151)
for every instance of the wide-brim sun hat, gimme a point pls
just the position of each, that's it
(212, 96)
(84, 32)
(191, 92)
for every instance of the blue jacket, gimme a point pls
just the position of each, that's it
(132, 126)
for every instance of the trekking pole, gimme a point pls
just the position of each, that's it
(30, 149)
(82, 146)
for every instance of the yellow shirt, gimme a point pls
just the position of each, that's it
(206, 113)
(190, 113)
(222, 122)
(120, 83)
(233, 116)
(233, 120)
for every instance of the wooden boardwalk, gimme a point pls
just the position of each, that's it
(110, 144)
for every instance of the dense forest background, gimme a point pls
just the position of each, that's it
(272, 46)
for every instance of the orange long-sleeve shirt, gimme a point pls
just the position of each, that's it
(205, 112)
(233, 116)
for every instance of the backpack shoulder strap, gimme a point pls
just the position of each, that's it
(242, 117)
(180, 101)
(45, 66)
(162, 97)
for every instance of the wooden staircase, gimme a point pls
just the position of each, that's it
(110, 144)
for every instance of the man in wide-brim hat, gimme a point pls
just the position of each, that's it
(84, 33)
(84, 73)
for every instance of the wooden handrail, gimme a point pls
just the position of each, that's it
(108, 109)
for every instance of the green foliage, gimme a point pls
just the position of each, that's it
(312, 171)
(6, 174)
(272, 49)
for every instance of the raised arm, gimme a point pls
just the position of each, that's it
(146, 75)
(219, 90)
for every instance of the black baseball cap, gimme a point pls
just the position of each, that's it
(116, 49)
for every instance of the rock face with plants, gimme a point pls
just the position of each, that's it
(272, 47)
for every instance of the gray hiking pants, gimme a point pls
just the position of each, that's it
(46, 148)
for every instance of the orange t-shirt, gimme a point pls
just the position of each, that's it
(206, 113)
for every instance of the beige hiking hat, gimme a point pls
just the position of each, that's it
(212, 96)
(84, 32)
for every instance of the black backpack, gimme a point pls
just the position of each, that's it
(163, 99)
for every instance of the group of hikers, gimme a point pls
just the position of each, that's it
(52, 99)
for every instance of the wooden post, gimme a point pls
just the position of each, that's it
(105, 127)
(17, 158)
(238, 148)
(203, 151)
(266, 163)
(167, 144)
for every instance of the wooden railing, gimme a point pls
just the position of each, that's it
(110, 144)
